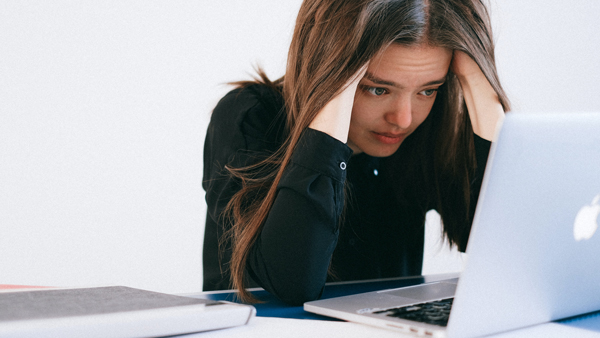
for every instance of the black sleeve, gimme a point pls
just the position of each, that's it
(292, 253)
(291, 256)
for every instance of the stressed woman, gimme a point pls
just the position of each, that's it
(386, 111)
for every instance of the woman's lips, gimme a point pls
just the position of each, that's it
(389, 138)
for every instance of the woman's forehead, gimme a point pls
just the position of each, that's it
(410, 65)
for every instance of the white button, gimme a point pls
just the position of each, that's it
(343, 165)
(375, 172)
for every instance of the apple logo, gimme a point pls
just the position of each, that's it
(586, 220)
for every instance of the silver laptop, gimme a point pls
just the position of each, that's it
(533, 252)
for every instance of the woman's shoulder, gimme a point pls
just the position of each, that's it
(256, 110)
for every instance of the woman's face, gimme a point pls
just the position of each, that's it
(395, 96)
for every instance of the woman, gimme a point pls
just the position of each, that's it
(386, 111)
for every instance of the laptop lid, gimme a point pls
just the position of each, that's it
(527, 258)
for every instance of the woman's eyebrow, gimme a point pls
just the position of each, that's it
(435, 82)
(380, 81)
(375, 79)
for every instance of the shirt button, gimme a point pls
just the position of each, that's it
(343, 165)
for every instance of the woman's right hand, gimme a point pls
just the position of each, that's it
(334, 118)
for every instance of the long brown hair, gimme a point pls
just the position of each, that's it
(332, 40)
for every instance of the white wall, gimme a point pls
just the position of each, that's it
(103, 107)
(547, 53)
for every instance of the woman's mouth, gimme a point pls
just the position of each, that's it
(389, 138)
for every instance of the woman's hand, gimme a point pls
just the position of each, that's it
(484, 108)
(334, 118)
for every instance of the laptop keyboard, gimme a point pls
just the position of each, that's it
(435, 313)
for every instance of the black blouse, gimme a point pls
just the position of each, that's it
(376, 236)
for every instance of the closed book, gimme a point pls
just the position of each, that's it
(113, 311)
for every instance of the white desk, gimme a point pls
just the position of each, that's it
(261, 327)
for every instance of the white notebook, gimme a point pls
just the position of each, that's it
(112, 311)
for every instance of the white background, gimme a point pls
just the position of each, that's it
(104, 106)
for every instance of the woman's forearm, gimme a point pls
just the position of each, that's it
(334, 117)
(292, 253)
(484, 107)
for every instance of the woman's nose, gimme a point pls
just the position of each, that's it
(401, 114)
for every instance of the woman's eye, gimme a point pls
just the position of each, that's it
(428, 92)
(376, 91)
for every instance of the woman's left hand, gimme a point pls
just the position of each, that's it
(484, 107)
